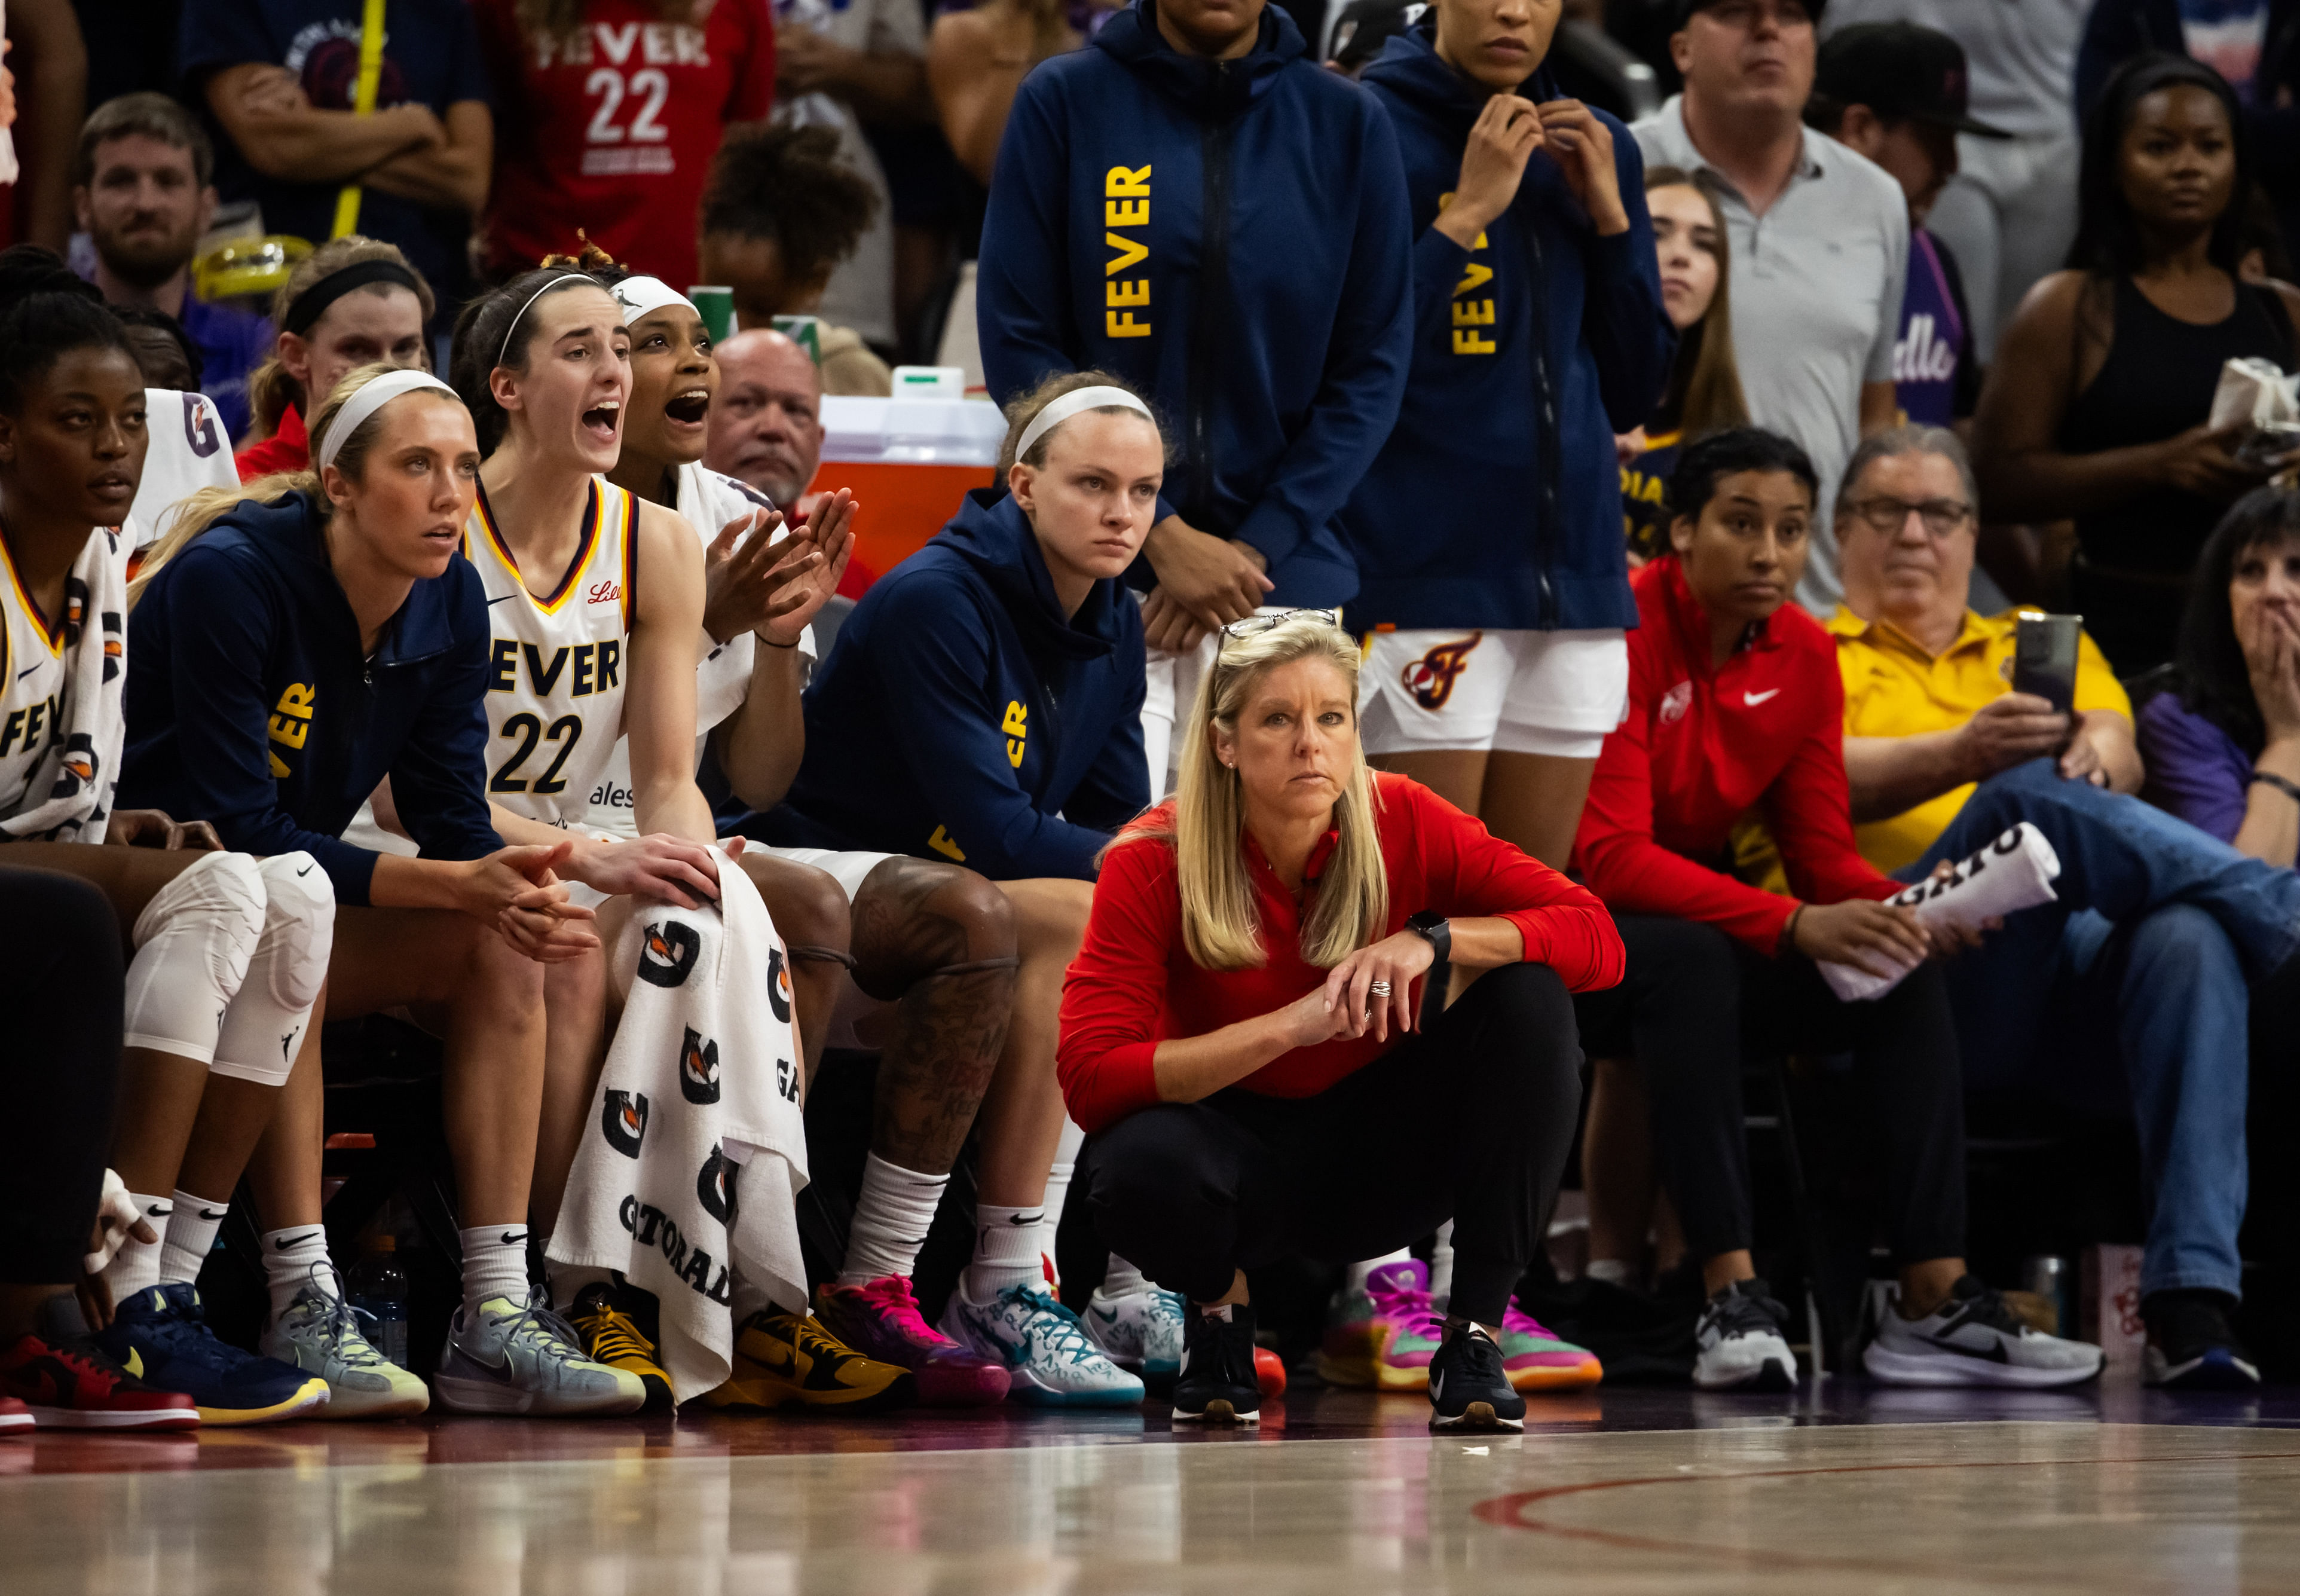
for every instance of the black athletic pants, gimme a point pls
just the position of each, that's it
(1470, 1121)
(62, 995)
(1695, 1000)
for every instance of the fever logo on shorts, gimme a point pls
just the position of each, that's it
(671, 951)
(714, 1187)
(622, 1121)
(1430, 679)
(698, 1069)
(778, 987)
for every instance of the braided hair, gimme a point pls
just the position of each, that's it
(45, 312)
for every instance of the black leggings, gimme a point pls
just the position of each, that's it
(1470, 1121)
(1695, 1000)
(61, 992)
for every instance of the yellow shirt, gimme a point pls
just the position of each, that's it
(1894, 689)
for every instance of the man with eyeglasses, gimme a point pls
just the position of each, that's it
(1819, 234)
(2137, 979)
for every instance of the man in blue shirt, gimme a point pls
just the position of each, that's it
(143, 192)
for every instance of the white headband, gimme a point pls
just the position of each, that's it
(644, 296)
(372, 398)
(561, 281)
(1084, 398)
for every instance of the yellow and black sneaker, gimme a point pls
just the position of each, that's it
(612, 1335)
(783, 1357)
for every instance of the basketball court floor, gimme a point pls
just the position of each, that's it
(1838, 1487)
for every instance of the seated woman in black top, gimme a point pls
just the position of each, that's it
(2096, 405)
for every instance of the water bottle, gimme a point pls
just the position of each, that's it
(380, 1288)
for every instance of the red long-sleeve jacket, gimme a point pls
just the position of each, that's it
(1134, 983)
(1700, 747)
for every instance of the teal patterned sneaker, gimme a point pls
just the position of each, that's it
(320, 1334)
(517, 1357)
(1138, 1330)
(1049, 1361)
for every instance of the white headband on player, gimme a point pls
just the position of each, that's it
(1084, 398)
(377, 392)
(644, 296)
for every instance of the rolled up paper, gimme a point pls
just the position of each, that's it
(2014, 872)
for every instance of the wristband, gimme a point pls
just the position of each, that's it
(2262, 778)
(1787, 942)
(771, 643)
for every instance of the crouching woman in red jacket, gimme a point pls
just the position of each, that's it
(1239, 1028)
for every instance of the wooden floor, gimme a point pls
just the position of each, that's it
(1835, 1489)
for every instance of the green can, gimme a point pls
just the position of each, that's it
(805, 331)
(718, 308)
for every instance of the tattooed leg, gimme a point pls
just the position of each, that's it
(809, 908)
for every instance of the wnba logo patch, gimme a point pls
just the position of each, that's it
(698, 1069)
(1430, 679)
(669, 953)
(622, 1121)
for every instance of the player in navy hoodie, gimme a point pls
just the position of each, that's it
(1192, 203)
(1488, 531)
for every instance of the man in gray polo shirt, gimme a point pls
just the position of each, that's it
(1820, 238)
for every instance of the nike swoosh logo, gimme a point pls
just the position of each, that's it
(211, 1213)
(285, 1242)
(504, 599)
(1108, 1315)
(1754, 699)
(307, 870)
(513, 1238)
(135, 1363)
(27, 671)
(159, 1210)
(1994, 1354)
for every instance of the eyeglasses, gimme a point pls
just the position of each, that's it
(1254, 625)
(1941, 517)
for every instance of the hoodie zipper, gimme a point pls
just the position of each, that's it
(1545, 423)
(1214, 295)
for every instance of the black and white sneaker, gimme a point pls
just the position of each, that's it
(1216, 1384)
(1974, 1339)
(1739, 1342)
(2191, 1345)
(1469, 1388)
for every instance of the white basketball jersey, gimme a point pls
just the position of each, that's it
(556, 666)
(37, 667)
(188, 450)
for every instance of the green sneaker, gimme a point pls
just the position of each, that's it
(320, 1334)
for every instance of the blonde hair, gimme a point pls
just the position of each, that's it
(203, 509)
(1020, 412)
(1350, 900)
(269, 388)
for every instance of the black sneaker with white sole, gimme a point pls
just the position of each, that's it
(1216, 1384)
(1974, 1338)
(1469, 1388)
(2191, 1344)
(1739, 1344)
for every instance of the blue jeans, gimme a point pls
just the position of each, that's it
(2156, 935)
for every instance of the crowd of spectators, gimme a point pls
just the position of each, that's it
(1674, 468)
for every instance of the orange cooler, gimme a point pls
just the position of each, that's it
(909, 460)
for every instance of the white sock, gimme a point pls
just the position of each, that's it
(1441, 1266)
(1613, 1272)
(1356, 1280)
(1058, 1181)
(1005, 1250)
(136, 1266)
(891, 1221)
(189, 1236)
(495, 1264)
(288, 1257)
(1122, 1279)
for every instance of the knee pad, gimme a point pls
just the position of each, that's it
(265, 1022)
(193, 944)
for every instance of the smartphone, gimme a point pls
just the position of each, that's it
(2045, 657)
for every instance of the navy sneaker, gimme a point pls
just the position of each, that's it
(2192, 1346)
(1468, 1387)
(161, 1337)
(1217, 1383)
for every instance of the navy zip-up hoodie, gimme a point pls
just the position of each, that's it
(1497, 500)
(250, 706)
(962, 716)
(1229, 236)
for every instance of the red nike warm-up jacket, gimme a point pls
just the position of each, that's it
(1700, 747)
(1134, 983)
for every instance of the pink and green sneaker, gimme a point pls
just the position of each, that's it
(1534, 1359)
(881, 1320)
(1385, 1335)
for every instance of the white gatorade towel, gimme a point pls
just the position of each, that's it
(2013, 873)
(695, 1150)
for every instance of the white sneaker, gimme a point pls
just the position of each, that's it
(1974, 1339)
(1740, 1342)
(513, 1357)
(1140, 1331)
(1049, 1361)
(320, 1334)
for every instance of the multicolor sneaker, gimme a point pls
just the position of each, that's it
(1049, 1362)
(161, 1336)
(67, 1384)
(320, 1334)
(519, 1358)
(881, 1319)
(1536, 1360)
(782, 1358)
(1140, 1331)
(613, 1337)
(1385, 1335)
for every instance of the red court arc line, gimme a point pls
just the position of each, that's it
(1508, 1512)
